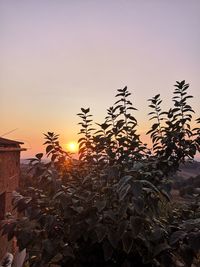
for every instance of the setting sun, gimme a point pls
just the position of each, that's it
(72, 147)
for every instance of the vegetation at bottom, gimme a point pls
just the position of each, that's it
(112, 207)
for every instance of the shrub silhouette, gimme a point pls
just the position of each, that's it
(111, 207)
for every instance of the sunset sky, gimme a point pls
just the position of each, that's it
(57, 56)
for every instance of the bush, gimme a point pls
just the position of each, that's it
(111, 207)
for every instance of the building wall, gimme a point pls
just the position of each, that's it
(9, 181)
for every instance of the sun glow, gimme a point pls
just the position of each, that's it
(72, 147)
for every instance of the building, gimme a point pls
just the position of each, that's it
(9, 180)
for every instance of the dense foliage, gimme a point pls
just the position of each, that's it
(112, 206)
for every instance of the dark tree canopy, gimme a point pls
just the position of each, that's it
(112, 206)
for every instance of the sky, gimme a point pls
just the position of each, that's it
(60, 55)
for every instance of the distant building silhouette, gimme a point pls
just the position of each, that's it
(9, 181)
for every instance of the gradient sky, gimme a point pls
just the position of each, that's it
(57, 56)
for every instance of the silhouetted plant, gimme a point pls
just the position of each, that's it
(116, 141)
(109, 208)
(173, 139)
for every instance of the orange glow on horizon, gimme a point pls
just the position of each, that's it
(72, 147)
